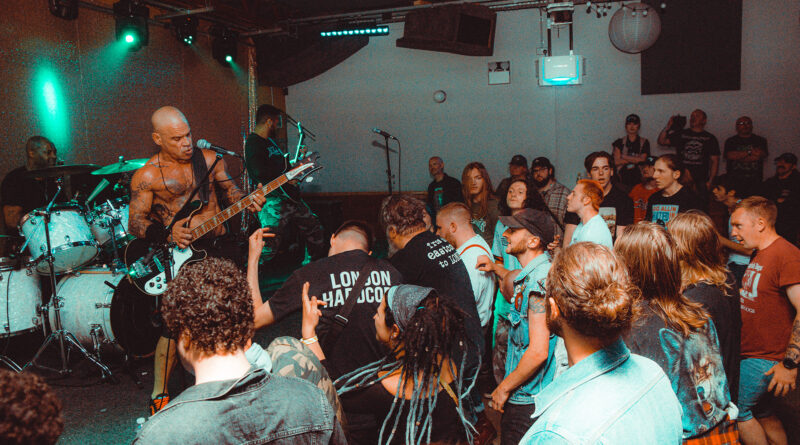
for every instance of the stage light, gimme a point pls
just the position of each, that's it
(350, 31)
(131, 24)
(65, 9)
(185, 29)
(223, 45)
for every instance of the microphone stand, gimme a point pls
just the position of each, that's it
(65, 338)
(388, 164)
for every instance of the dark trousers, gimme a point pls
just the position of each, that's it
(294, 226)
(515, 422)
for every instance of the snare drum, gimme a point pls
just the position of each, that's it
(108, 217)
(71, 241)
(20, 298)
(96, 302)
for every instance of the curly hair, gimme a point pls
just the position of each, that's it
(483, 197)
(652, 259)
(533, 200)
(209, 302)
(404, 213)
(699, 250)
(30, 413)
(593, 291)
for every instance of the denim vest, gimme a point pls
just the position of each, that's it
(612, 396)
(530, 279)
(257, 408)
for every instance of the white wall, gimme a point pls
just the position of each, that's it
(392, 88)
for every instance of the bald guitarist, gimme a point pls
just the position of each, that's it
(158, 192)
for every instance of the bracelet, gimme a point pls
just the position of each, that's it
(309, 341)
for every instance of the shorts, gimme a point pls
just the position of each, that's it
(753, 386)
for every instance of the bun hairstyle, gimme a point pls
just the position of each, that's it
(675, 163)
(592, 290)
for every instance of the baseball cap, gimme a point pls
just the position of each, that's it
(634, 118)
(537, 222)
(519, 160)
(650, 160)
(541, 161)
(787, 157)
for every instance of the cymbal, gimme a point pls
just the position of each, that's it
(61, 170)
(122, 166)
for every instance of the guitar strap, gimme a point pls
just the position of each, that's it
(200, 169)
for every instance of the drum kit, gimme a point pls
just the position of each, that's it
(77, 247)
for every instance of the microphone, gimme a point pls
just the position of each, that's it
(383, 133)
(204, 144)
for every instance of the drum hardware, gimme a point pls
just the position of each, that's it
(65, 339)
(121, 166)
(76, 245)
(20, 301)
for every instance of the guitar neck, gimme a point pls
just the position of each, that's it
(214, 222)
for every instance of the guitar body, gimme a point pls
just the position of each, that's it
(147, 264)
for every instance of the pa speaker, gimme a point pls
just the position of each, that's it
(460, 29)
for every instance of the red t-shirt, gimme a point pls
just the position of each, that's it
(640, 194)
(767, 313)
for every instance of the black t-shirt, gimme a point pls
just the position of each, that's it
(331, 279)
(695, 150)
(785, 193)
(375, 399)
(725, 313)
(265, 162)
(19, 190)
(616, 209)
(661, 209)
(443, 192)
(430, 261)
(632, 148)
(745, 170)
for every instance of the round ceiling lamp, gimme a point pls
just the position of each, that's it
(634, 28)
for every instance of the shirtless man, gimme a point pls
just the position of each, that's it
(158, 191)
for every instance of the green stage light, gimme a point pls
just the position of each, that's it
(368, 31)
(129, 38)
(223, 45)
(229, 58)
(131, 24)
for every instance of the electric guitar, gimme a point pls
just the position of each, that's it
(148, 264)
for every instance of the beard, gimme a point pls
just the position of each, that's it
(516, 249)
(541, 183)
(553, 325)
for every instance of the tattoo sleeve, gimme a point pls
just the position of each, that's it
(232, 192)
(141, 200)
(793, 350)
(536, 302)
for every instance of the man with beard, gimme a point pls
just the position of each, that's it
(616, 207)
(697, 148)
(553, 193)
(784, 190)
(744, 156)
(642, 191)
(607, 395)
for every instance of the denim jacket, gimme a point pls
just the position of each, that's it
(530, 279)
(610, 397)
(258, 408)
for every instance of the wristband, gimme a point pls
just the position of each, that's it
(156, 233)
(309, 341)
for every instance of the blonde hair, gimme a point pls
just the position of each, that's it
(699, 250)
(759, 207)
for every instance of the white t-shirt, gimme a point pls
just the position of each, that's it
(595, 230)
(483, 283)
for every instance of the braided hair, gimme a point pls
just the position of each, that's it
(433, 339)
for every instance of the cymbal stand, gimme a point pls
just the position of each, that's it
(63, 338)
(116, 220)
(10, 363)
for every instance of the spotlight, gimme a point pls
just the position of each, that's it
(65, 9)
(185, 29)
(223, 46)
(644, 13)
(131, 24)
(348, 31)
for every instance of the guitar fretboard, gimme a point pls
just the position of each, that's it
(213, 222)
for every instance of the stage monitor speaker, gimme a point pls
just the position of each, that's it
(287, 60)
(460, 29)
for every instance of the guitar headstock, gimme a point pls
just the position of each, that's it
(304, 167)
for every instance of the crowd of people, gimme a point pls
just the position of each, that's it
(616, 311)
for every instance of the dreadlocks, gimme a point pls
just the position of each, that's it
(433, 338)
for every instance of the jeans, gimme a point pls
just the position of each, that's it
(515, 422)
(753, 387)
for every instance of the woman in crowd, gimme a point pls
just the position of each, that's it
(706, 280)
(476, 186)
(675, 191)
(416, 391)
(629, 151)
(676, 333)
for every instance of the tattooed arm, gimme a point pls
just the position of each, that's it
(533, 357)
(141, 202)
(231, 191)
(783, 379)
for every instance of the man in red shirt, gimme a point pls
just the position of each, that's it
(770, 299)
(641, 192)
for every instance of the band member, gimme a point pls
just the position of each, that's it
(158, 192)
(285, 214)
(22, 193)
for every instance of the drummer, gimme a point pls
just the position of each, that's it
(22, 193)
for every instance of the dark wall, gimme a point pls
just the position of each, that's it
(70, 81)
(699, 48)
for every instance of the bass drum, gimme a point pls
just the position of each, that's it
(95, 300)
(20, 298)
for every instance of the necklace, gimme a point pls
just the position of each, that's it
(158, 156)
